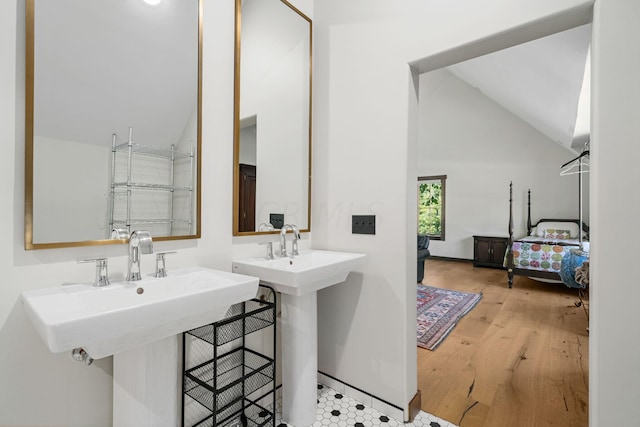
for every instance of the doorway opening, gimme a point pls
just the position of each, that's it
(466, 409)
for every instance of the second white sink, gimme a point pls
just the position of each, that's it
(310, 271)
(298, 279)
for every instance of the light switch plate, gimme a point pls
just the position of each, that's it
(363, 224)
(277, 220)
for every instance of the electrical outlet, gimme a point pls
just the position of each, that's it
(363, 224)
(277, 220)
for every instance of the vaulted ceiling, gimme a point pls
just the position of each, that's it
(104, 66)
(544, 82)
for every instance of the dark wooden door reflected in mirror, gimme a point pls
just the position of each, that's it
(247, 198)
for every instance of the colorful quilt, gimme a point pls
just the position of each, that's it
(541, 254)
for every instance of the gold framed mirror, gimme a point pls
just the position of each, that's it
(272, 117)
(113, 121)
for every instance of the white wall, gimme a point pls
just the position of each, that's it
(60, 181)
(365, 162)
(481, 147)
(248, 139)
(614, 343)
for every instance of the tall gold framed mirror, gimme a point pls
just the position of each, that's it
(272, 117)
(113, 121)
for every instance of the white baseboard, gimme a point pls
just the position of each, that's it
(365, 398)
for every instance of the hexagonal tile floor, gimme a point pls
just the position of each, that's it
(338, 410)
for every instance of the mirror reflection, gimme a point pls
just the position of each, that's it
(113, 120)
(272, 113)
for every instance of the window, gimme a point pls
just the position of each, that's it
(431, 191)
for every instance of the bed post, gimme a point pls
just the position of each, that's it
(510, 241)
(529, 213)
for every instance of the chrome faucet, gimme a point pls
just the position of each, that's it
(294, 243)
(267, 227)
(140, 242)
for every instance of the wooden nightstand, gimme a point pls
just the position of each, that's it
(488, 251)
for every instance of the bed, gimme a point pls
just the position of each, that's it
(540, 253)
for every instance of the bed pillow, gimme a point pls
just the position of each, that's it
(572, 227)
(557, 234)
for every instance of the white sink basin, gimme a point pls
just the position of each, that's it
(310, 271)
(298, 279)
(124, 315)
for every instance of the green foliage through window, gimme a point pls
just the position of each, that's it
(431, 207)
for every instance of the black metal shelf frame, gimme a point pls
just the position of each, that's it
(225, 389)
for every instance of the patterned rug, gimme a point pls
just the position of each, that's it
(438, 312)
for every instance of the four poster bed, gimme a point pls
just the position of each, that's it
(540, 253)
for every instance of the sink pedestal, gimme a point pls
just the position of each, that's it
(298, 279)
(299, 358)
(146, 385)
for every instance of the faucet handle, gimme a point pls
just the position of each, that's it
(102, 271)
(269, 249)
(161, 270)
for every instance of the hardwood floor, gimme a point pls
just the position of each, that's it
(518, 359)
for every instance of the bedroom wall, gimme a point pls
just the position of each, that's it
(481, 147)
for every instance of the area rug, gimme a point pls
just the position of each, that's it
(438, 312)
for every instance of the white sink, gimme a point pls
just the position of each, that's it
(124, 315)
(310, 271)
(298, 279)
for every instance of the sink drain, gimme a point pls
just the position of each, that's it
(140, 291)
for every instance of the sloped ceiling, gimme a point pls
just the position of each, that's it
(103, 66)
(544, 82)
